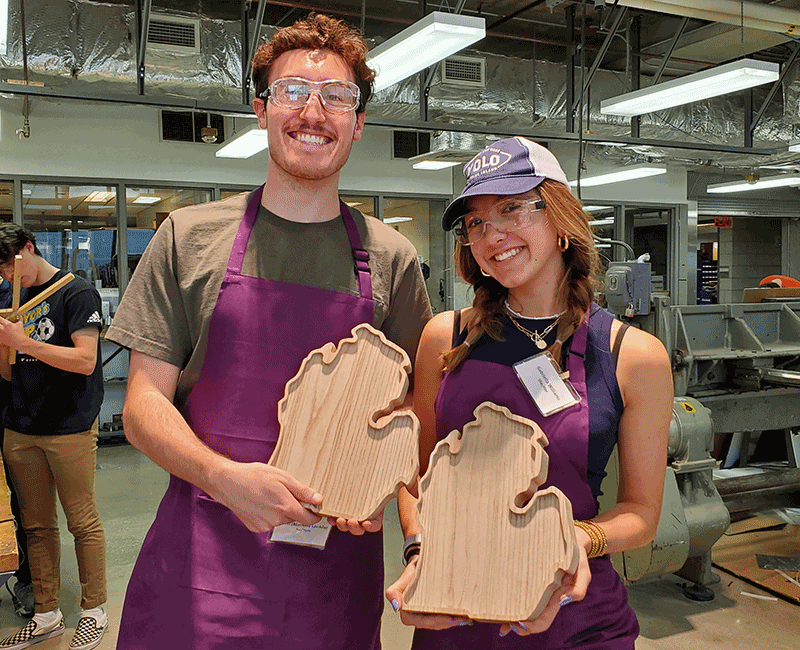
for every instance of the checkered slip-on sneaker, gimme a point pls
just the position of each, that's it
(29, 635)
(89, 633)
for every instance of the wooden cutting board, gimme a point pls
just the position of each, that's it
(493, 547)
(9, 559)
(338, 433)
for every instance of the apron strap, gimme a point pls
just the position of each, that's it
(360, 255)
(243, 234)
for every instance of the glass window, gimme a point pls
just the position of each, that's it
(6, 201)
(419, 220)
(364, 204)
(75, 227)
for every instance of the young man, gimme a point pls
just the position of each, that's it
(224, 305)
(50, 440)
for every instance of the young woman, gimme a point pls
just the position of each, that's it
(525, 246)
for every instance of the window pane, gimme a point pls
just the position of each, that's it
(6, 201)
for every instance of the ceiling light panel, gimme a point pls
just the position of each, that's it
(248, 144)
(764, 183)
(722, 80)
(628, 174)
(426, 42)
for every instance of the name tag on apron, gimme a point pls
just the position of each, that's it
(315, 535)
(542, 378)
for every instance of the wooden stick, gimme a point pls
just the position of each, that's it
(14, 316)
(12, 353)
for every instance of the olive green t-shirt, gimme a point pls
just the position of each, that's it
(166, 309)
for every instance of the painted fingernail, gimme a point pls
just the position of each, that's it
(522, 625)
(503, 633)
(395, 605)
(462, 623)
(566, 600)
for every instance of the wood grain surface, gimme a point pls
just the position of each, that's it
(494, 547)
(9, 559)
(339, 434)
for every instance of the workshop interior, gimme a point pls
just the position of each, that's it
(677, 123)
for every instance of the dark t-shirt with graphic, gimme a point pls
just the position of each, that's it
(44, 399)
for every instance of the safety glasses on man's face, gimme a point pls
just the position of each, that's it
(505, 216)
(337, 95)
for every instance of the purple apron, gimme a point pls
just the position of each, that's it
(202, 580)
(603, 619)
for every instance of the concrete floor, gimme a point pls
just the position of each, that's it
(130, 486)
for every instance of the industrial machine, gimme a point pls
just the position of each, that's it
(736, 372)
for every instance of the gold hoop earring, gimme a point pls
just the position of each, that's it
(563, 243)
(485, 274)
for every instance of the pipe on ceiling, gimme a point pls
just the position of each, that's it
(783, 21)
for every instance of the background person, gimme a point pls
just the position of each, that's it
(525, 246)
(50, 443)
(227, 301)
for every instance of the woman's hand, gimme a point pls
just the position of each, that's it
(394, 595)
(573, 588)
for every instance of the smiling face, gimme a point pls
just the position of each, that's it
(309, 143)
(527, 261)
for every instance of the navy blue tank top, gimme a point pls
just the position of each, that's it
(605, 399)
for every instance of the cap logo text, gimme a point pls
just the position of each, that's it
(485, 163)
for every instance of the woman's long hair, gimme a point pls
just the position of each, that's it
(582, 267)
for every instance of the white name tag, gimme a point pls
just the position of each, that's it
(315, 535)
(542, 379)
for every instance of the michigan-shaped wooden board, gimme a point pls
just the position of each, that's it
(493, 547)
(338, 432)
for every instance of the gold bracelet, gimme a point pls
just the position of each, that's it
(597, 537)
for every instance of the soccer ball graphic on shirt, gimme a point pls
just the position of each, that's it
(45, 328)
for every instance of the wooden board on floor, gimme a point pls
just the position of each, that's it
(494, 547)
(339, 434)
(736, 552)
(9, 559)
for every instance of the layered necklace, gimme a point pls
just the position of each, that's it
(536, 337)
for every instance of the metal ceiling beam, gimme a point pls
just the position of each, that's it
(601, 54)
(672, 46)
(142, 27)
(527, 7)
(634, 43)
(251, 52)
(242, 110)
(774, 89)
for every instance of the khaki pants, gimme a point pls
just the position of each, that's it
(40, 466)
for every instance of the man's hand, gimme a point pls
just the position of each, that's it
(358, 527)
(264, 497)
(12, 334)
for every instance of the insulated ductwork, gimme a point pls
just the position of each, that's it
(87, 47)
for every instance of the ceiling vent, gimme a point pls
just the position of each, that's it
(407, 144)
(174, 34)
(464, 71)
(188, 126)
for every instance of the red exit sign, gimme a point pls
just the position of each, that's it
(723, 222)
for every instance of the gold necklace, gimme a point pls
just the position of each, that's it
(536, 337)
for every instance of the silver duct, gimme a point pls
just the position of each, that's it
(88, 46)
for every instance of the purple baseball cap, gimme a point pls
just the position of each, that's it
(506, 167)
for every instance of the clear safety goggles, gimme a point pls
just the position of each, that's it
(337, 95)
(507, 215)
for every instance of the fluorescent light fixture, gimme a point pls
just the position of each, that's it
(34, 208)
(597, 208)
(602, 222)
(433, 165)
(764, 183)
(147, 199)
(3, 27)
(427, 41)
(247, 144)
(722, 80)
(628, 174)
(397, 219)
(100, 197)
(102, 207)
